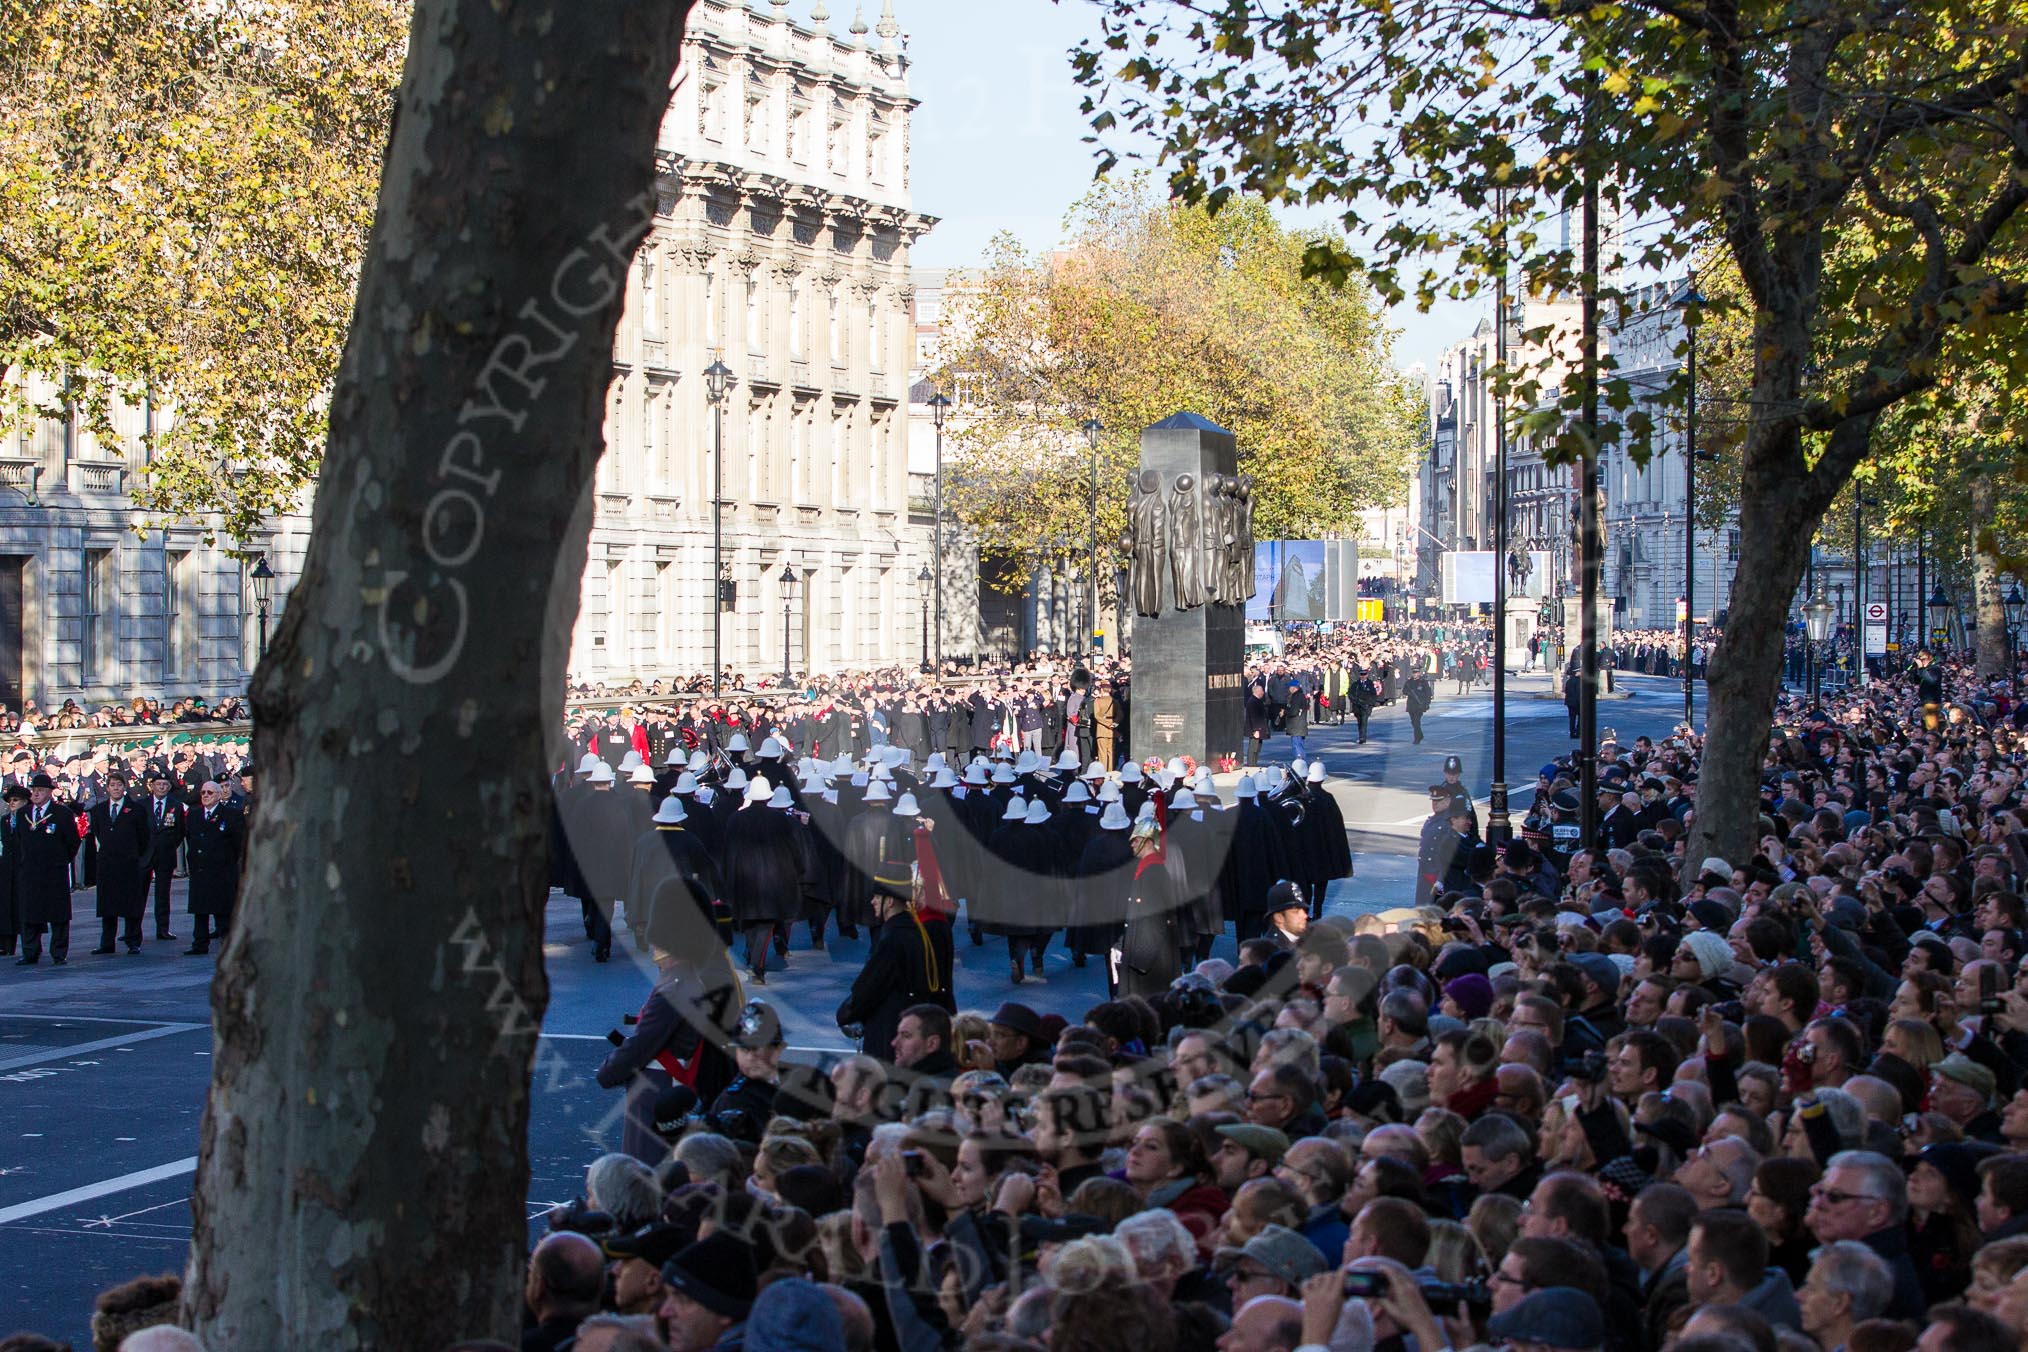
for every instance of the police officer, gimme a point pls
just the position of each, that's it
(1417, 692)
(1454, 770)
(1430, 858)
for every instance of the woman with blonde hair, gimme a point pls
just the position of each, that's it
(1455, 1253)
(1915, 1041)
(1495, 1222)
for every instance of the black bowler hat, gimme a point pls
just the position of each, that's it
(41, 781)
(1021, 1019)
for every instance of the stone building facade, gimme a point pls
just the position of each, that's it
(95, 608)
(780, 247)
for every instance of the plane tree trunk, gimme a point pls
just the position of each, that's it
(364, 1162)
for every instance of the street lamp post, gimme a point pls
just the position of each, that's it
(1591, 545)
(939, 404)
(1092, 428)
(263, 584)
(923, 580)
(2013, 604)
(788, 581)
(1940, 607)
(1691, 300)
(717, 380)
(1496, 807)
(1818, 617)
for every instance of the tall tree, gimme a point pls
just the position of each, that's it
(1150, 308)
(364, 1157)
(1776, 129)
(184, 197)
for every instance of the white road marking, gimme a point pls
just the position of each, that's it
(103, 1044)
(57, 1201)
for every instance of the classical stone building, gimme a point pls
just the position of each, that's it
(780, 247)
(95, 608)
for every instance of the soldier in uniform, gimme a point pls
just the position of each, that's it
(1328, 853)
(676, 1037)
(215, 834)
(910, 965)
(1151, 947)
(763, 876)
(120, 830)
(45, 840)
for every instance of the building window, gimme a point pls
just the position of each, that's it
(94, 630)
(837, 331)
(249, 650)
(710, 309)
(178, 619)
(1732, 546)
(654, 437)
(753, 317)
(876, 153)
(873, 359)
(665, 607)
(713, 130)
(616, 613)
(796, 321)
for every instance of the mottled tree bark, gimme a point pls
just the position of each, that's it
(364, 1162)
(1988, 595)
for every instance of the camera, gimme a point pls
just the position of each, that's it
(1989, 990)
(1440, 1295)
(579, 1217)
(1590, 1069)
(917, 1166)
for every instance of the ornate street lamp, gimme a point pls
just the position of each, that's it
(923, 580)
(717, 381)
(1092, 428)
(1940, 608)
(939, 405)
(263, 585)
(2013, 604)
(1818, 617)
(788, 581)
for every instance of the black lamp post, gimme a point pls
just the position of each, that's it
(1690, 303)
(2013, 603)
(1818, 617)
(1092, 428)
(923, 580)
(717, 380)
(264, 581)
(1940, 607)
(788, 581)
(939, 404)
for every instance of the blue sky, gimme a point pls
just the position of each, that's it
(996, 144)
